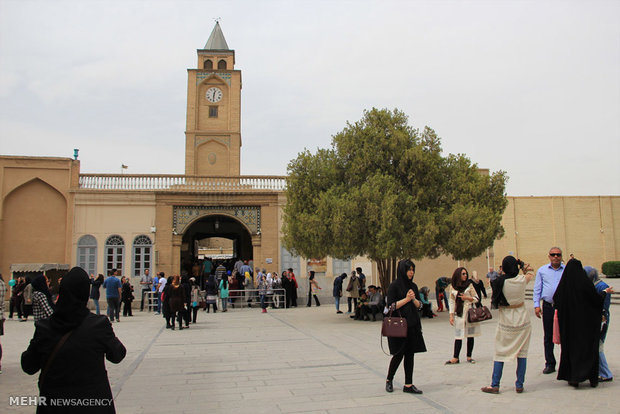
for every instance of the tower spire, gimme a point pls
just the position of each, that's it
(216, 40)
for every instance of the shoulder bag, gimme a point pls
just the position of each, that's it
(480, 314)
(394, 327)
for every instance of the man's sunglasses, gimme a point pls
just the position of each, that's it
(555, 254)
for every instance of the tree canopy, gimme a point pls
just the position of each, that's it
(384, 190)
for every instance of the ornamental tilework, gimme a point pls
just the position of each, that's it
(200, 76)
(184, 215)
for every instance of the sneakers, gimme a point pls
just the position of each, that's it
(264, 311)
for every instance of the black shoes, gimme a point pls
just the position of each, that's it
(388, 386)
(548, 370)
(412, 390)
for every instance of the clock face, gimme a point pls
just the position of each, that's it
(214, 94)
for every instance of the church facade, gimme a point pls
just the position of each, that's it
(52, 213)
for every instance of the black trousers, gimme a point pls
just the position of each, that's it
(408, 365)
(127, 307)
(349, 299)
(315, 299)
(458, 343)
(144, 291)
(548, 312)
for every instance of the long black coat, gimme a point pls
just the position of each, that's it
(414, 340)
(580, 311)
(78, 369)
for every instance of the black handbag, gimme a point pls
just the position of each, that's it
(394, 327)
(478, 314)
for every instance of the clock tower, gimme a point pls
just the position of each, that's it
(213, 128)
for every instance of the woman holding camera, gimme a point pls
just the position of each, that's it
(512, 337)
(403, 296)
(462, 298)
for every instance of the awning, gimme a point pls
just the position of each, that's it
(38, 267)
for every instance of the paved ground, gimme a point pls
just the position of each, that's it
(309, 360)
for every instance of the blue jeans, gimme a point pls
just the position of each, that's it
(603, 368)
(498, 367)
(96, 302)
(262, 302)
(337, 302)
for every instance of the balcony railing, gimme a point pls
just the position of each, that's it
(181, 183)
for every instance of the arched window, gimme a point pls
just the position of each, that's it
(87, 254)
(114, 253)
(221, 64)
(208, 64)
(142, 249)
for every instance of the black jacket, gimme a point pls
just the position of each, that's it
(414, 341)
(78, 369)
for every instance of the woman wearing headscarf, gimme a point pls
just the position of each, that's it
(512, 337)
(176, 302)
(462, 298)
(313, 288)
(165, 302)
(294, 286)
(126, 296)
(42, 303)
(224, 291)
(69, 349)
(403, 297)
(353, 291)
(187, 288)
(211, 293)
(603, 289)
(94, 290)
(479, 286)
(580, 312)
(2, 295)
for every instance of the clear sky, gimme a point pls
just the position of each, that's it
(529, 87)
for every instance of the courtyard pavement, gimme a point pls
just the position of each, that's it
(310, 360)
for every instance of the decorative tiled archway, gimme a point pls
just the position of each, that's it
(182, 216)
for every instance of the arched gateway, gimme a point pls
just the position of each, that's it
(217, 235)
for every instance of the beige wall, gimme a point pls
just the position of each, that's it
(587, 227)
(102, 214)
(36, 208)
(43, 215)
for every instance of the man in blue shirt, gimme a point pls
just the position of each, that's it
(113, 295)
(547, 279)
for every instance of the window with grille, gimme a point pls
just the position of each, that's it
(114, 253)
(341, 266)
(142, 255)
(87, 254)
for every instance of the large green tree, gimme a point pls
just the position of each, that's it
(384, 190)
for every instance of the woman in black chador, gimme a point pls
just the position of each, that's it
(403, 294)
(580, 310)
(69, 348)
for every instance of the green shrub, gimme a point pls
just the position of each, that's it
(611, 269)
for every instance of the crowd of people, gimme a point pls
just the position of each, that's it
(572, 301)
(573, 298)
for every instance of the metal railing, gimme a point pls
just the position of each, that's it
(251, 298)
(181, 183)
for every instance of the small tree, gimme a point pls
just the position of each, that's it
(384, 190)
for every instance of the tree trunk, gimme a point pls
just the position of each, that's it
(387, 272)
